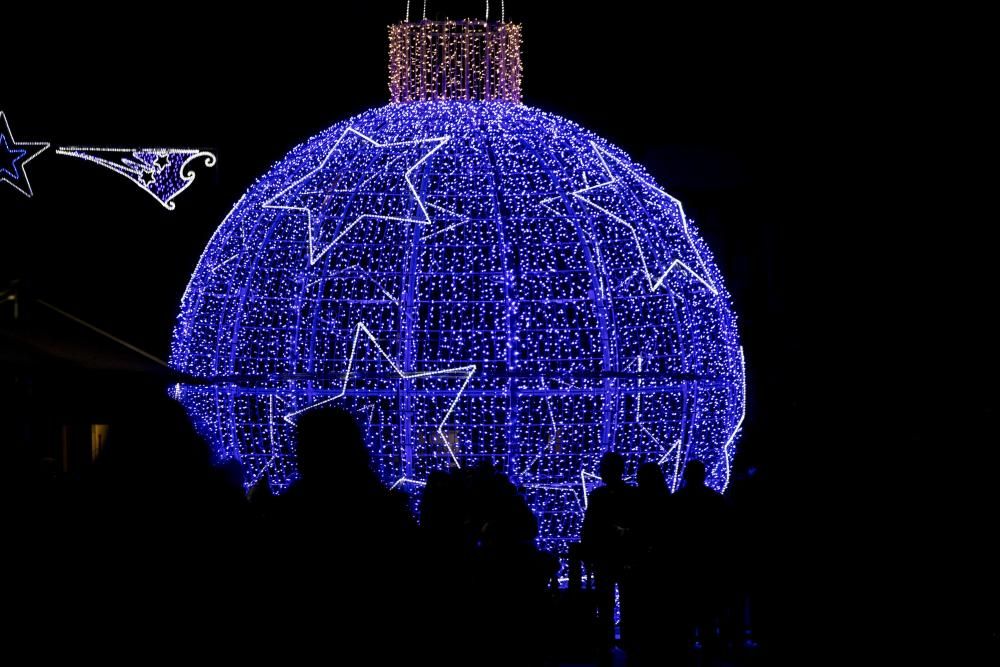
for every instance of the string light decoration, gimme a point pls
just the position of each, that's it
(476, 280)
(455, 60)
(14, 156)
(162, 173)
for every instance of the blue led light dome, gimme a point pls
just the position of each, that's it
(476, 281)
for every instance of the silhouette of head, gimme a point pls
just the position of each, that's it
(612, 467)
(330, 445)
(650, 477)
(694, 473)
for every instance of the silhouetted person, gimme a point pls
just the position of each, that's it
(701, 527)
(445, 565)
(651, 508)
(487, 578)
(646, 583)
(163, 528)
(344, 543)
(607, 525)
(442, 514)
(510, 576)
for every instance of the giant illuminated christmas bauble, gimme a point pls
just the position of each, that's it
(476, 280)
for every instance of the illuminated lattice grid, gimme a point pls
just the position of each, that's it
(474, 267)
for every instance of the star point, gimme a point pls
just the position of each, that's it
(467, 370)
(621, 179)
(335, 199)
(15, 156)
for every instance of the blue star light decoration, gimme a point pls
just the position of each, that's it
(14, 156)
(476, 281)
(335, 198)
(162, 173)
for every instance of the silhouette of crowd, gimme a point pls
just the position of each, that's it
(155, 551)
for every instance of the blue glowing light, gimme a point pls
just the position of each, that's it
(15, 156)
(477, 281)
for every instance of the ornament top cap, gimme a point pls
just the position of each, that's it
(467, 59)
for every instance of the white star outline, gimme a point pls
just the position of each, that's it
(406, 480)
(469, 370)
(5, 130)
(526, 470)
(677, 446)
(677, 449)
(570, 487)
(273, 449)
(653, 282)
(359, 272)
(313, 257)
